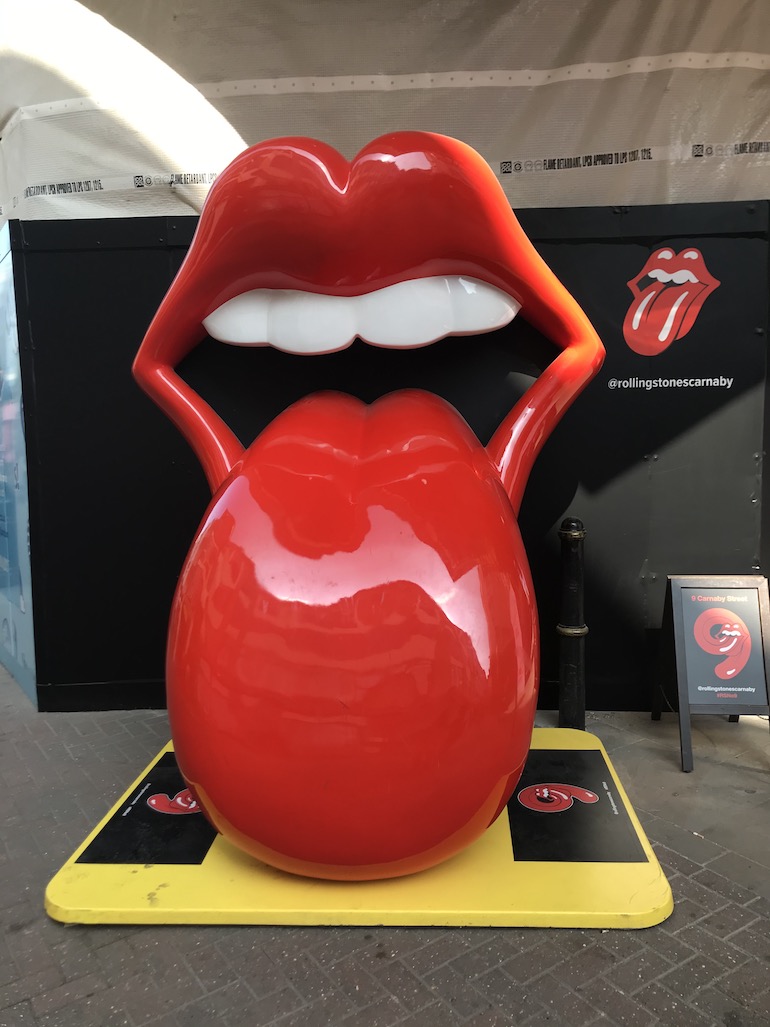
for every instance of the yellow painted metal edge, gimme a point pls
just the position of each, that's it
(469, 890)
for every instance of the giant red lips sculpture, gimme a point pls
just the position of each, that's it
(353, 652)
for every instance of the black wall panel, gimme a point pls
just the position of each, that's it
(114, 495)
(667, 480)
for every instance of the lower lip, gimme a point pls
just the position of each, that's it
(352, 668)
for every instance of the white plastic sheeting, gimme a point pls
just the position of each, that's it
(572, 102)
(92, 121)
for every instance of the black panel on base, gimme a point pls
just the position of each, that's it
(585, 832)
(137, 833)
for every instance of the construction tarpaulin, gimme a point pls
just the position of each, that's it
(120, 109)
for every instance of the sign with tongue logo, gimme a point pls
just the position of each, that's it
(722, 633)
(669, 292)
(352, 663)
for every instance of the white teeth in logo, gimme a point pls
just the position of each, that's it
(677, 277)
(401, 316)
(733, 636)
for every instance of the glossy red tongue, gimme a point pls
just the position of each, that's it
(659, 315)
(324, 461)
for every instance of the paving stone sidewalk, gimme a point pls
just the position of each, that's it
(708, 964)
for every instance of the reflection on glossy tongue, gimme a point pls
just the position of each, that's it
(661, 314)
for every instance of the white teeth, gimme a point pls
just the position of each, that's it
(405, 315)
(241, 320)
(473, 301)
(677, 277)
(680, 277)
(401, 316)
(296, 323)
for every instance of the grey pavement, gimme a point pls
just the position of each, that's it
(708, 964)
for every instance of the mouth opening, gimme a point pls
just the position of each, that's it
(249, 389)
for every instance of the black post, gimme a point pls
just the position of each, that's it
(571, 627)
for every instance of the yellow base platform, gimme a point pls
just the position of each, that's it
(572, 855)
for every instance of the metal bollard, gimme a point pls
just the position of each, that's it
(571, 627)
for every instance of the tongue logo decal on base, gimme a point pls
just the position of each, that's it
(182, 803)
(669, 292)
(554, 798)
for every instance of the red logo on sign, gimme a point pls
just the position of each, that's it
(720, 633)
(669, 292)
(554, 798)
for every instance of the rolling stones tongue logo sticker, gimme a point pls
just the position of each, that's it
(720, 633)
(554, 798)
(182, 803)
(669, 292)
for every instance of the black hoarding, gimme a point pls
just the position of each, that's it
(661, 457)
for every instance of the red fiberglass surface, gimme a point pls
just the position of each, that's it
(353, 653)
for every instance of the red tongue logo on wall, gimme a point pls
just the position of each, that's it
(669, 292)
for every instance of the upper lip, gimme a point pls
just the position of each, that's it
(668, 267)
(411, 205)
(294, 214)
